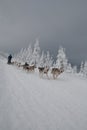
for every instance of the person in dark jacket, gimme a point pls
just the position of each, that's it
(26, 64)
(9, 59)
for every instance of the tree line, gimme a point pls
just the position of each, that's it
(34, 55)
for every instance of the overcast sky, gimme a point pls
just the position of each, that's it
(54, 22)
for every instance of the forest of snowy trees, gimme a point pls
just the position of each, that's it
(34, 55)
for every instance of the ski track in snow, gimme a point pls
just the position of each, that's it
(28, 102)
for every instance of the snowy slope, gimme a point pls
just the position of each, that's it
(28, 102)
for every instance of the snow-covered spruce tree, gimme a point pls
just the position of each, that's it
(48, 60)
(24, 55)
(69, 68)
(81, 68)
(36, 53)
(18, 56)
(29, 54)
(85, 69)
(74, 69)
(42, 60)
(62, 60)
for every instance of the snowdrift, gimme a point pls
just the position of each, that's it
(28, 102)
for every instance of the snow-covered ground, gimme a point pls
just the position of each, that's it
(28, 102)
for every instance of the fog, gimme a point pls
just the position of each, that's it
(53, 22)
